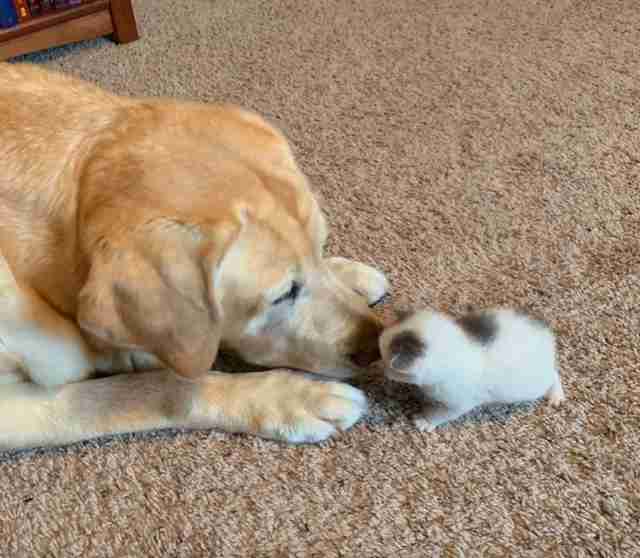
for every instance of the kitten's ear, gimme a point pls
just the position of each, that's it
(405, 348)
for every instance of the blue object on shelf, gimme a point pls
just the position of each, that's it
(8, 14)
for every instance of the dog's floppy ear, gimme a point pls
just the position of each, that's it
(156, 297)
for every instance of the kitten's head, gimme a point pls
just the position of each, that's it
(413, 349)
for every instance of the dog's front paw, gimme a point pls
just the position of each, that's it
(363, 279)
(296, 409)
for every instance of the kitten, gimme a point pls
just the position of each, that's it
(493, 356)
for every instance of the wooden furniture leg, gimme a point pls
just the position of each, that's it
(91, 19)
(124, 22)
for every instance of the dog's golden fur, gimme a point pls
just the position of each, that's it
(141, 234)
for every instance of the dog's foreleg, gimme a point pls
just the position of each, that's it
(11, 368)
(279, 405)
(36, 342)
(7, 279)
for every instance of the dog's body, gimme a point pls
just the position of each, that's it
(494, 356)
(139, 235)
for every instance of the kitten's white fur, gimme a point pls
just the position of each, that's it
(459, 372)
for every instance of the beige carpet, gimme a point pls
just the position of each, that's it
(480, 153)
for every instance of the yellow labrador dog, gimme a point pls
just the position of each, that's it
(138, 236)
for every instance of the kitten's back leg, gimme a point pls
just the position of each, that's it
(556, 395)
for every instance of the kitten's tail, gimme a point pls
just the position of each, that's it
(556, 395)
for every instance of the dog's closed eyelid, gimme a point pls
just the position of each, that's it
(291, 294)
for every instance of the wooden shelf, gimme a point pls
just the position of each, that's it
(96, 18)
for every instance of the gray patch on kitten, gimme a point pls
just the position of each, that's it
(405, 348)
(482, 327)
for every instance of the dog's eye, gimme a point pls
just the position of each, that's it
(291, 294)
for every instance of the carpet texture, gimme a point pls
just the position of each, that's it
(479, 153)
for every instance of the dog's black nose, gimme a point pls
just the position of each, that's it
(362, 359)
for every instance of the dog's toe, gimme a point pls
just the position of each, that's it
(361, 278)
(301, 410)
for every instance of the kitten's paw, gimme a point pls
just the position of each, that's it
(436, 415)
(363, 279)
(403, 376)
(423, 424)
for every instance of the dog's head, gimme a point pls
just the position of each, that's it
(198, 231)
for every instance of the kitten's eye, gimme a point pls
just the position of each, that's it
(291, 294)
(405, 348)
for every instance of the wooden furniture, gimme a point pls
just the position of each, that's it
(94, 18)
